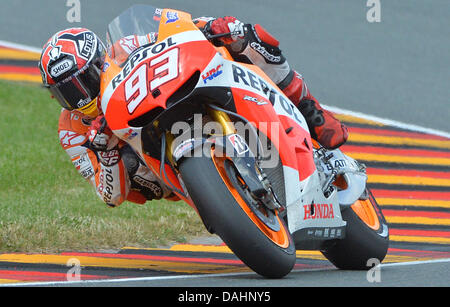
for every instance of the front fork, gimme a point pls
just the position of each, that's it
(245, 162)
(218, 116)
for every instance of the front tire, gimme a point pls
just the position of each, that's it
(225, 210)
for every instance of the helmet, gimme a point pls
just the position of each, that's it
(70, 65)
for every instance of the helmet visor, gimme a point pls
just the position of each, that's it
(78, 90)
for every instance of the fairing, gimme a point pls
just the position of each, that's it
(153, 73)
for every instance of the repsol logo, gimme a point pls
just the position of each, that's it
(79, 162)
(139, 56)
(248, 78)
(108, 188)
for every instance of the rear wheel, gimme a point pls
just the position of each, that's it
(257, 235)
(367, 236)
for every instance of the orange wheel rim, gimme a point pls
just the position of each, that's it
(366, 212)
(280, 237)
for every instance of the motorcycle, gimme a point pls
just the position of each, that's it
(230, 144)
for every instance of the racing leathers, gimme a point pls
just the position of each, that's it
(116, 172)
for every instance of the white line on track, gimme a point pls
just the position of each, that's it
(388, 122)
(119, 280)
(141, 279)
(19, 46)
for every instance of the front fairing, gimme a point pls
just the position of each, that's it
(153, 73)
(138, 89)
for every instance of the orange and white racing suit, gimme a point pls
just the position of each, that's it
(125, 178)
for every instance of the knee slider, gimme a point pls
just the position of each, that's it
(130, 159)
(313, 116)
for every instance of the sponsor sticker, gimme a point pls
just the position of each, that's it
(318, 211)
(262, 50)
(212, 74)
(84, 42)
(156, 189)
(84, 166)
(105, 66)
(182, 148)
(69, 138)
(130, 134)
(83, 102)
(171, 17)
(61, 68)
(129, 44)
(255, 100)
(87, 173)
(109, 158)
(238, 143)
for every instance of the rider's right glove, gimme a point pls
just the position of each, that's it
(225, 25)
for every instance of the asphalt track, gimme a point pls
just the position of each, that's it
(408, 174)
(395, 69)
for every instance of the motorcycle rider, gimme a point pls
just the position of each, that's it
(71, 63)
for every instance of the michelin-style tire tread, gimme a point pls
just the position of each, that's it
(360, 244)
(222, 214)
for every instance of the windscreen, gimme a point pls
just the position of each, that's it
(137, 20)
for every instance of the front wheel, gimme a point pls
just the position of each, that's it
(367, 237)
(258, 236)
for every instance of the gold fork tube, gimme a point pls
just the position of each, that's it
(220, 117)
(224, 121)
(169, 141)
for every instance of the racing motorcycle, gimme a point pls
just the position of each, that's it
(230, 144)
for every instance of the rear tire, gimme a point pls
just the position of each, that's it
(366, 238)
(221, 211)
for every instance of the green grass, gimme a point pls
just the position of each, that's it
(46, 206)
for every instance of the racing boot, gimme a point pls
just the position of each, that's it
(323, 126)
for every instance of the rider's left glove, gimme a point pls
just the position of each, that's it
(101, 137)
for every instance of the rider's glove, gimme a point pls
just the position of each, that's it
(100, 135)
(225, 25)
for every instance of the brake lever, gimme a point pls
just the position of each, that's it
(103, 126)
(214, 36)
(210, 36)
